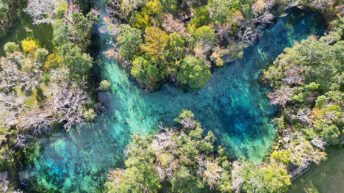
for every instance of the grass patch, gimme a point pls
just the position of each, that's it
(327, 177)
(43, 33)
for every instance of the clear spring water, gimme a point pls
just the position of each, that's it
(233, 105)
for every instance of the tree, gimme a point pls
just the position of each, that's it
(104, 85)
(10, 12)
(128, 6)
(64, 102)
(29, 46)
(41, 54)
(193, 72)
(145, 72)
(204, 37)
(53, 61)
(129, 41)
(181, 159)
(220, 10)
(139, 175)
(150, 15)
(331, 134)
(81, 28)
(68, 39)
(200, 17)
(77, 31)
(175, 47)
(10, 47)
(273, 178)
(60, 32)
(155, 43)
(170, 6)
(75, 60)
(184, 181)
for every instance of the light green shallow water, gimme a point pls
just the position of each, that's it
(233, 105)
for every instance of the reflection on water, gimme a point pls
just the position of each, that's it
(233, 105)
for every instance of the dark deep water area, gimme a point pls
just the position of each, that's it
(233, 105)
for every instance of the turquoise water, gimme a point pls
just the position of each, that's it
(233, 105)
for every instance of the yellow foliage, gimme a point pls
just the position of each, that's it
(237, 16)
(53, 61)
(164, 159)
(141, 21)
(317, 113)
(259, 6)
(154, 7)
(217, 58)
(155, 43)
(147, 17)
(29, 46)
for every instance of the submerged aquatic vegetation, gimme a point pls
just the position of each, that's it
(181, 42)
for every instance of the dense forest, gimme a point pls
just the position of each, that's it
(49, 86)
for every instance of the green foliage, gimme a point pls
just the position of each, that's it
(219, 10)
(175, 47)
(170, 6)
(139, 175)
(129, 41)
(331, 134)
(128, 6)
(71, 42)
(10, 47)
(166, 40)
(10, 12)
(184, 181)
(310, 76)
(3, 8)
(41, 54)
(145, 72)
(273, 178)
(60, 31)
(76, 61)
(200, 18)
(81, 28)
(193, 72)
(182, 160)
(78, 32)
(104, 85)
(281, 156)
(149, 16)
(90, 114)
(61, 11)
(204, 36)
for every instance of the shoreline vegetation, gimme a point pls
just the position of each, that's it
(42, 89)
(180, 42)
(302, 137)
